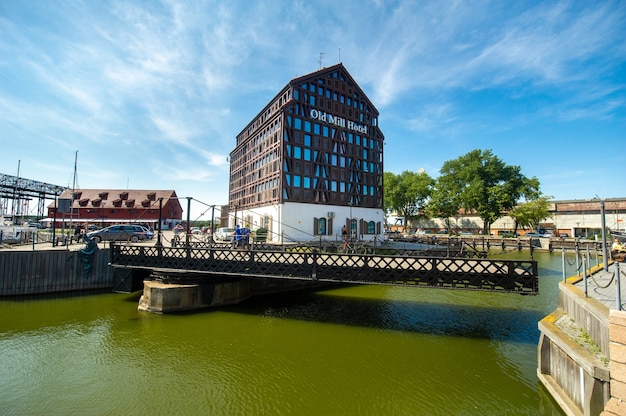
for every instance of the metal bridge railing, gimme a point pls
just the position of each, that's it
(454, 273)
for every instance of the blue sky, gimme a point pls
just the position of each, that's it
(152, 93)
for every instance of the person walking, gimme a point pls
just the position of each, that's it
(246, 238)
(177, 230)
(77, 233)
(238, 237)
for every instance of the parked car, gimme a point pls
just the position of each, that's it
(534, 235)
(34, 225)
(92, 227)
(224, 234)
(125, 232)
(195, 230)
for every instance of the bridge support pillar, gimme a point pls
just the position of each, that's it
(163, 298)
(169, 297)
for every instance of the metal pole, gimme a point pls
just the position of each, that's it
(577, 258)
(618, 294)
(585, 276)
(605, 255)
(188, 218)
(54, 223)
(159, 243)
(563, 263)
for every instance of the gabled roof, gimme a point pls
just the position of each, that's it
(324, 72)
(329, 73)
(131, 197)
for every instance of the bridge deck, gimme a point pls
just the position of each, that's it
(453, 273)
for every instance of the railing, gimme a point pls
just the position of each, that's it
(443, 272)
(584, 268)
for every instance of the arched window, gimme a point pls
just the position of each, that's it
(371, 227)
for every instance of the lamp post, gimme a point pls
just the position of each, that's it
(102, 214)
(604, 248)
(159, 243)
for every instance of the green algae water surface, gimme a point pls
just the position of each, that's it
(361, 350)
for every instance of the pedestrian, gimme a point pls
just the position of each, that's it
(77, 232)
(177, 230)
(246, 238)
(238, 237)
(344, 233)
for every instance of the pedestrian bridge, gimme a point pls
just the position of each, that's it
(206, 263)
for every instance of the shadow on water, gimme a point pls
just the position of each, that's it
(470, 321)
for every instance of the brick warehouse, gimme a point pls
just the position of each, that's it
(104, 207)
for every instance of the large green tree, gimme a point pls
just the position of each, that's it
(444, 203)
(406, 193)
(480, 182)
(531, 213)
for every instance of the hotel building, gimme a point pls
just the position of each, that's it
(310, 162)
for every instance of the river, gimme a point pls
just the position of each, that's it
(361, 350)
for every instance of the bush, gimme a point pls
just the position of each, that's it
(260, 235)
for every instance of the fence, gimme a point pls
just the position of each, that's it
(38, 272)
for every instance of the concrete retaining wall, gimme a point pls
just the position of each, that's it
(573, 352)
(617, 405)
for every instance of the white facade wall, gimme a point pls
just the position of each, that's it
(294, 221)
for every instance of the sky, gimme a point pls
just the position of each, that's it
(151, 94)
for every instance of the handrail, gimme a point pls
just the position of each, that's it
(418, 271)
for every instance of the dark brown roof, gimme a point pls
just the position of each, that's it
(107, 196)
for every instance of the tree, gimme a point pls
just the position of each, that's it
(531, 213)
(482, 183)
(444, 202)
(405, 193)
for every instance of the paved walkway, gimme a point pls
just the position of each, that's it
(602, 286)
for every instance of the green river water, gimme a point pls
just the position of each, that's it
(362, 350)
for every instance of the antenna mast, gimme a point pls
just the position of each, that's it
(321, 59)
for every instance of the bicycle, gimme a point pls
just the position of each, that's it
(353, 248)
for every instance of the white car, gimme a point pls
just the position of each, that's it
(224, 234)
(195, 230)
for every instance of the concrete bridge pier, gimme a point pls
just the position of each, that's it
(177, 293)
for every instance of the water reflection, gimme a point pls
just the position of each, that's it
(364, 350)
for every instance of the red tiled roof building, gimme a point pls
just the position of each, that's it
(112, 206)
